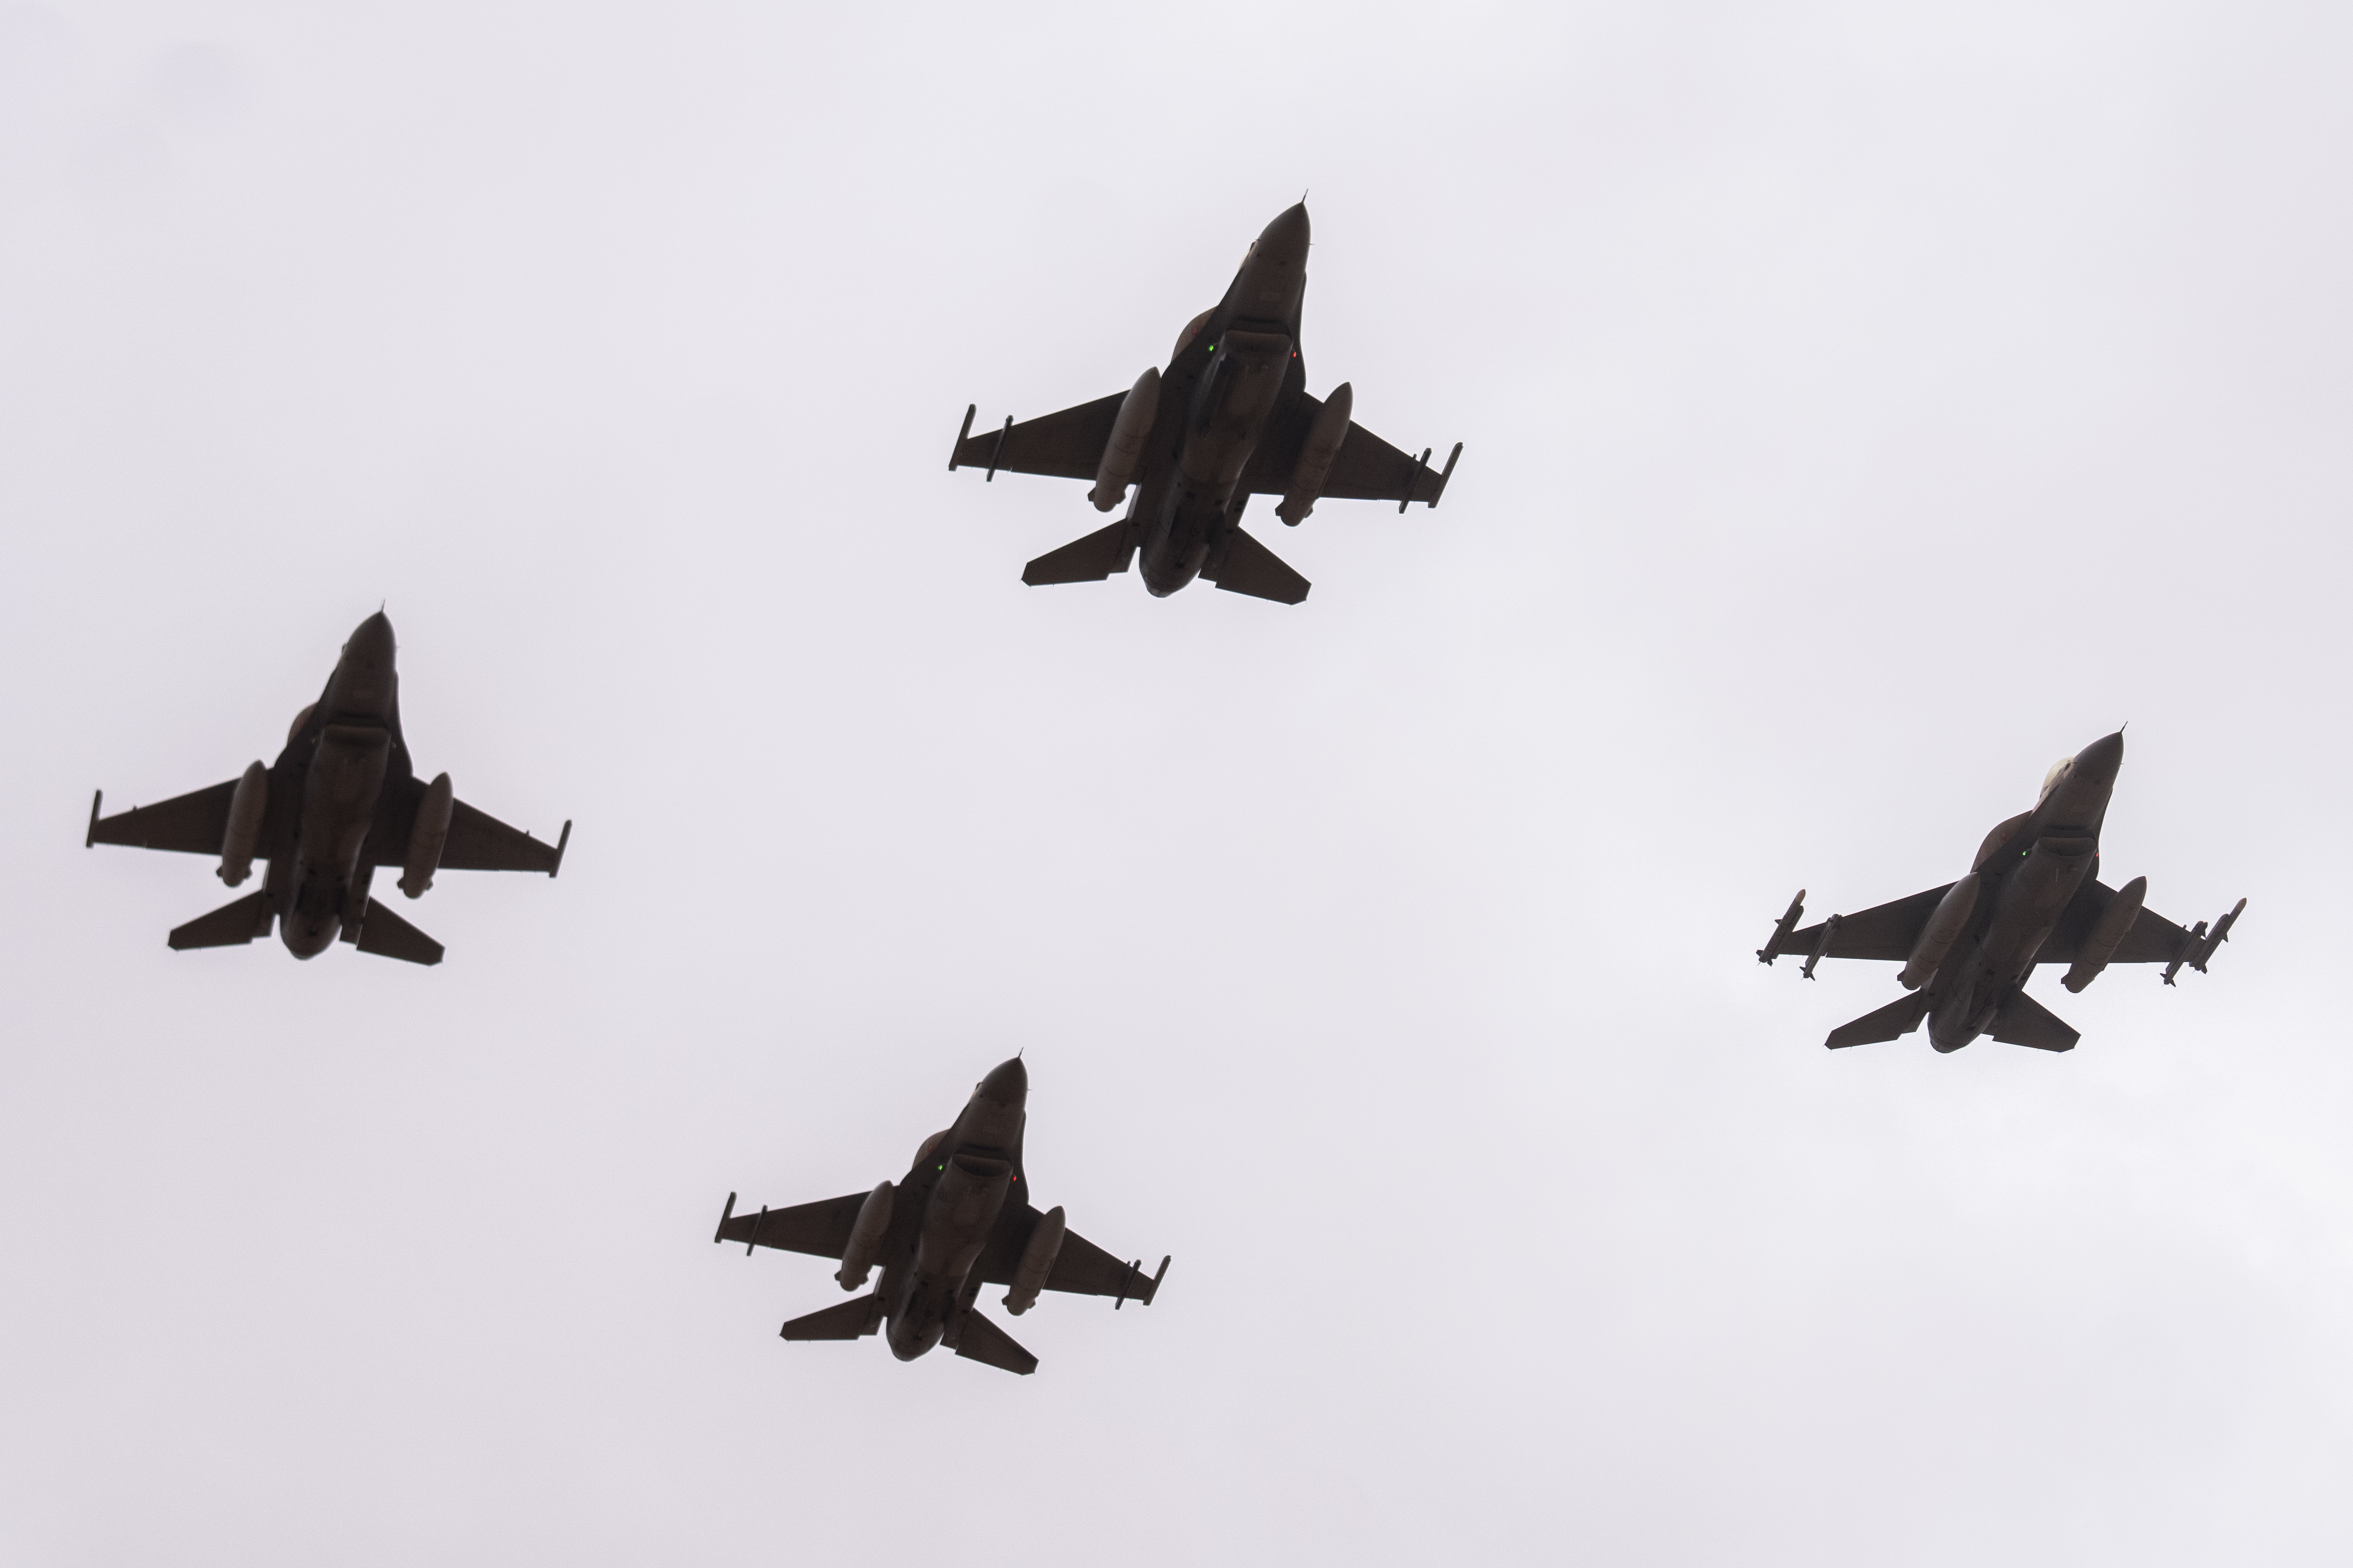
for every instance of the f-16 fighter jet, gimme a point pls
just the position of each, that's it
(340, 801)
(1230, 419)
(2032, 896)
(959, 1219)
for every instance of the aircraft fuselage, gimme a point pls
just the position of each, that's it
(963, 1178)
(343, 750)
(2029, 870)
(1234, 374)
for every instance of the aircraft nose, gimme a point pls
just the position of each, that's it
(2101, 759)
(373, 640)
(1007, 1083)
(1285, 239)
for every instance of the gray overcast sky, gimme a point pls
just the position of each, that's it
(1866, 405)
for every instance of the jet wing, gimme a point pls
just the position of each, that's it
(477, 842)
(1081, 1267)
(821, 1229)
(1884, 932)
(1367, 468)
(1065, 446)
(2153, 939)
(191, 824)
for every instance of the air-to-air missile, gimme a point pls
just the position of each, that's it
(2032, 896)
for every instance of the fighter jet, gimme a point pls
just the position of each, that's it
(960, 1218)
(340, 801)
(2033, 895)
(1230, 419)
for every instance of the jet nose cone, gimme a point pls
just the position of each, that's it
(2102, 758)
(1007, 1083)
(1285, 239)
(372, 640)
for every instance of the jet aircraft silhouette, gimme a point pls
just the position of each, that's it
(1230, 419)
(2032, 896)
(340, 800)
(959, 1219)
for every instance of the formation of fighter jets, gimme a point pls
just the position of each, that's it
(1185, 448)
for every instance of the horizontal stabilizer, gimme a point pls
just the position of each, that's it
(2023, 1021)
(851, 1320)
(1898, 1019)
(1088, 560)
(1251, 568)
(982, 1341)
(231, 925)
(386, 935)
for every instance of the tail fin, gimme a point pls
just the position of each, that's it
(386, 935)
(2023, 1021)
(1088, 560)
(1899, 1017)
(980, 1340)
(231, 925)
(1250, 568)
(851, 1320)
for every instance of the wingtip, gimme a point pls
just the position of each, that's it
(1452, 458)
(725, 1216)
(561, 839)
(90, 834)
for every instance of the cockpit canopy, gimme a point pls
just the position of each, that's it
(2051, 780)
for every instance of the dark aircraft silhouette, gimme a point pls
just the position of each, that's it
(959, 1219)
(340, 801)
(1230, 419)
(2032, 896)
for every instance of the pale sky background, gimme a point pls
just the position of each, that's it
(1865, 406)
